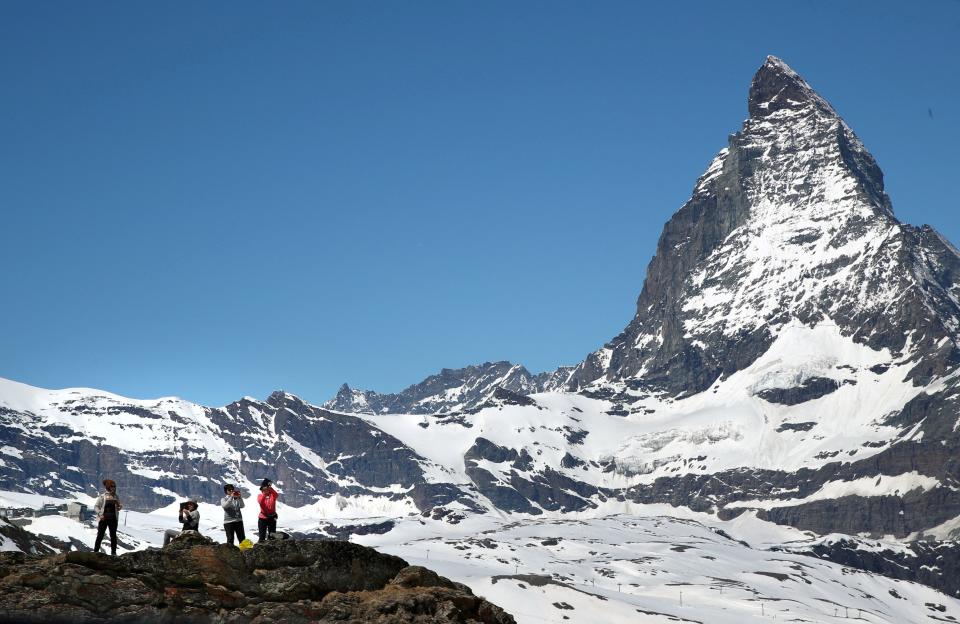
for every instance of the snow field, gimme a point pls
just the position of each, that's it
(634, 569)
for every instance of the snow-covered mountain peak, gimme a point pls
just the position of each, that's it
(789, 224)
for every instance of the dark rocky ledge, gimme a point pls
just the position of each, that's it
(932, 563)
(194, 580)
(810, 389)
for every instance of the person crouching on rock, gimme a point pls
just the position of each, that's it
(267, 520)
(232, 518)
(189, 517)
(107, 509)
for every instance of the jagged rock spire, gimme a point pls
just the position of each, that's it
(776, 86)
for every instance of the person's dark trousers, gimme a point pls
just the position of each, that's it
(265, 526)
(234, 529)
(101, 529)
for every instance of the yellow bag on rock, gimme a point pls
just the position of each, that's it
(245, 544)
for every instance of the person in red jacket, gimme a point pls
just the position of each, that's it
(267, 520)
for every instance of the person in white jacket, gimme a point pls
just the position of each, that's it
(107, 509)
(232, 503)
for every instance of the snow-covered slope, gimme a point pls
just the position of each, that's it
(650, 568)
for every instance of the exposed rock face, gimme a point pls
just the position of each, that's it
(451, 390)
(194, 580)
(807, 390)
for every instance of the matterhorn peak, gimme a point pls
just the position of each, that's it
(776, 86)
(789, 225)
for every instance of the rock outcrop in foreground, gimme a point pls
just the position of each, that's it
(194, 580)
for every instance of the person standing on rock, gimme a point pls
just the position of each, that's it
(267, 521)
(107, 509)
(189, 518)
(232, 503)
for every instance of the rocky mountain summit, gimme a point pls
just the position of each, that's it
(194, 580)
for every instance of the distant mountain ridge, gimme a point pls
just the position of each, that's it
(450, 390)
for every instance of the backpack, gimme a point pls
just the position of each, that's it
(110, 509)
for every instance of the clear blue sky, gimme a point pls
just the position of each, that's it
(220, 199)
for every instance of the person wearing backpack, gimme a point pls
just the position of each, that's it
(189, 518)
(107, 509)
(232, 503)
(267, 520)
